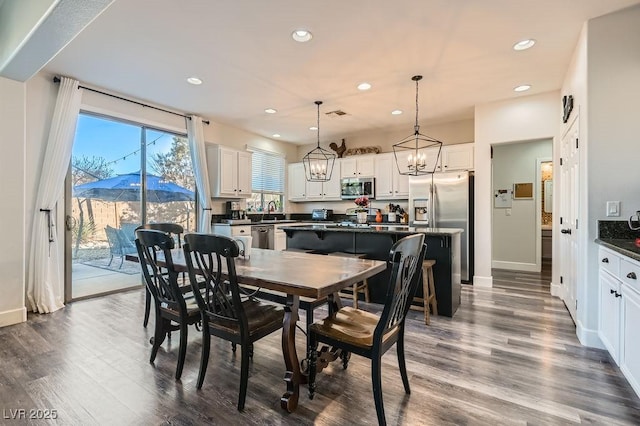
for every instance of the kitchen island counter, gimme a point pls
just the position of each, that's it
(375, 242)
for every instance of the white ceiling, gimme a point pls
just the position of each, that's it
(244, 53)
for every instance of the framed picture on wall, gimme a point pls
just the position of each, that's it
(522, 191)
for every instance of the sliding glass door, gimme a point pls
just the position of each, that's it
(122, 175)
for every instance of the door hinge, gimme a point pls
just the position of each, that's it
(576, 143)
(561, 279)
(560, 221)
(576, 304)
(561, 161)
(576, 223)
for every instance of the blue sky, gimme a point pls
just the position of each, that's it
(114, 140)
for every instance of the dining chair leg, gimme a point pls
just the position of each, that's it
(182, 351)
(204, 357)
(313, 361)
(147, 306)
(244, 375)
(401, 361)
(158, 336)
(376, 378)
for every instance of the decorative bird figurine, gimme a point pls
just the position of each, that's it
(338, 149)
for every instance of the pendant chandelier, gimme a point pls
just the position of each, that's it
(318, 163)
(417, 154)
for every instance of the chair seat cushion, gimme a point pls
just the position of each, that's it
(349, 325)
(261, 317)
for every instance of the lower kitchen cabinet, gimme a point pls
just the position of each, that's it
(620, 312)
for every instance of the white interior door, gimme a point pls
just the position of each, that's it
(569, 213)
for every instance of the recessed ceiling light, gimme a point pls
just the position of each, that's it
(522, 88)
(524, 44)
(276, 135)
(396, 112)
(364, 86)
(313, 128)
(301, 35)
(194, 80)
(270, 111)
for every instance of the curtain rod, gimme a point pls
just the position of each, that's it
(56, 79)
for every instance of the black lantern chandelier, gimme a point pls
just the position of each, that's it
(417, 154)
(318, 163)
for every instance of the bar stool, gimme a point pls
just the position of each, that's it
(428, 290)
(362, 286)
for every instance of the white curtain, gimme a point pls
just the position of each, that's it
(45, 280)
(195, 132)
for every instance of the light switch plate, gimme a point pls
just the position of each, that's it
(613, 208)
(507, 212)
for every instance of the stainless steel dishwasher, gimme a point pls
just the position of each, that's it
(262, 236)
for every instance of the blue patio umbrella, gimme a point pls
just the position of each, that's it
(126, 187)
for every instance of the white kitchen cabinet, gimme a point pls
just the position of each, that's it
(357, 166)
(227, 230)
(630, 345)
(390, 184)
(297, 189)
(301, 190)
(279, 238)
(457, 157)
(609, 325)
(229, 172)
(620, 312)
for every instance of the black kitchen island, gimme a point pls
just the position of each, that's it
(375, 241)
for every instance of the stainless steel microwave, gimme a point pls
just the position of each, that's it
(352, 188)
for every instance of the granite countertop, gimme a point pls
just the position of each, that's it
(625, 247)
(375, 228)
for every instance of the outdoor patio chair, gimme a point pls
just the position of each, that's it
(119, 244)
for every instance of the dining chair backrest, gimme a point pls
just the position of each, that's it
(172, 229)
(162, 284)
(405, 262)
(220, 302)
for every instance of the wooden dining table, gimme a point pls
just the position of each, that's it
(295, 274)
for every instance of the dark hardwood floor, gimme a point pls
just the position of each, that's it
(509, 356)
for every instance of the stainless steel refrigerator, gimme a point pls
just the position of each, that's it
(445, 200)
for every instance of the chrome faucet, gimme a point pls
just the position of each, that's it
(269, 204)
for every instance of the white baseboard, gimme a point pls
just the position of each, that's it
(557, 290)
(485, 282)
(15, 316)
(588, 337)
(515, 266)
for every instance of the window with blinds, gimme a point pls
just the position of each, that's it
(267, 182)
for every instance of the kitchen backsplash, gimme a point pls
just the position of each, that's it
(616, 229)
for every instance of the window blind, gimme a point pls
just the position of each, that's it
(267, 174)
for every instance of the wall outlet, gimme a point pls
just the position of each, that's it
(613, 208)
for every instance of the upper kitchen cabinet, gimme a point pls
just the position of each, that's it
(390, 184)
(229, 172)
(301, 190)
(357, 166)
(457, 157)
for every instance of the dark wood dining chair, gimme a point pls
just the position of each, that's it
(175, 231)
(175, 306)
(227, 312)
(366, 334)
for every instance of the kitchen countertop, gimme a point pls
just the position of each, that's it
(374, 228)
(625, 247)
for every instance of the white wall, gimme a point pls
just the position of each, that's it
(516, 236)
(449, 133)
(522, 119)
(12, 213)
(613, 122)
